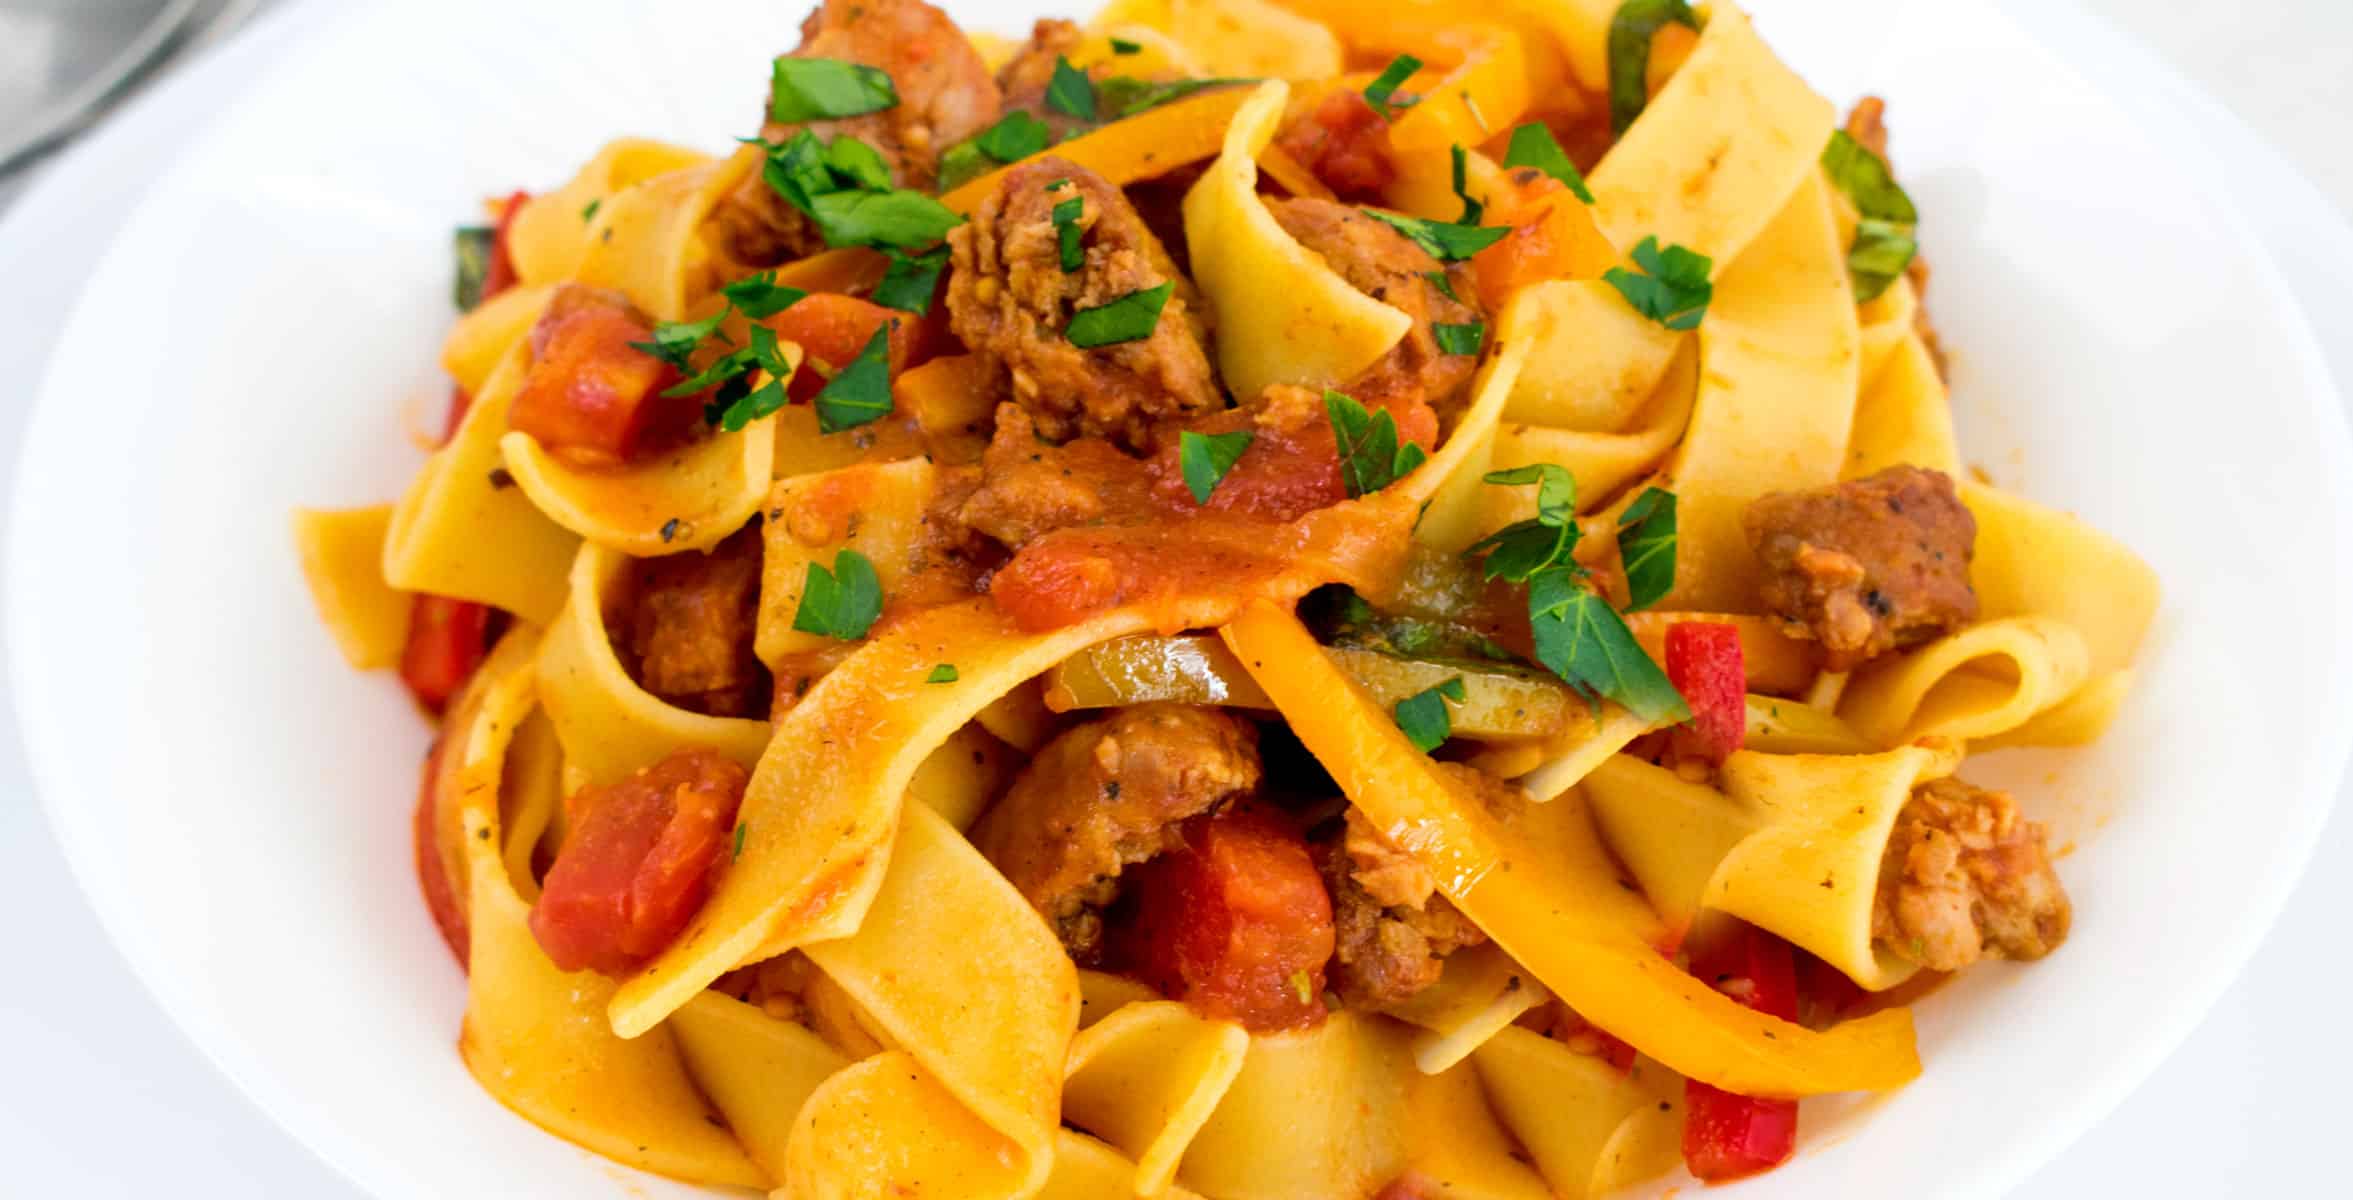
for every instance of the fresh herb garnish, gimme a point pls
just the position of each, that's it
(963, 163)
(1066, 231)
(1371, 454)
(1444, 285)
(741, 827)
(1124, 46)
(910, 281)
(1423, 715)
(859, 393)
(1472, 210)
(1580, 638)
(1444, 242)
(1465, 338)
(1545, 541)
(1206, 457)
(1884, 242)
(674, 341)
(943, 673)
(759, 297)
(474, 245)
(1070, 92)
(1130, 318)
(843, 602)
(858, 164)
(1674, 292)
(1382, 91)
(844, 189)
(1123, 96)
(1015, 136)
(1646, 545)
(588, 213)
(1532, 145)
(1631, 30)
(809, 89)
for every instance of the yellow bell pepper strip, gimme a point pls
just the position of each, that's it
(1560, 915)
(1153, 142)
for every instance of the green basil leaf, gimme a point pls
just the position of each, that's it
(1519, 550)
(1865, 179)
(1881, 251)
(474, 245)
(1014, 137)
(1444, 242)
(810, 89)
(1556, 489)
(860, 393)
(1130, 318)
(854, 164)
(1580, 638)
(1382, 91)
(1631, 30)
(1532, 145)
(1459, 339)
(902, 219)
(911, 280)
(1070, 92)
(674, 341)
(760, 296)
(1206, 457)
(943, 673)
(796, 169)
(1675, 290)
(1423, 715)
(843, 602)
(769, 397)
(1066, 232)
(1646, 545)
(1371, 455)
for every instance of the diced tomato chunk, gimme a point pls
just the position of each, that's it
(1553, 237)
(447, 640)
(831, 329)
(500, 275)
(639, 863)
(590, 395)
(432, 873)
(1704, 663)
(1287, 471)
(1727, 1136)
(1236, 923)
(1345, 143)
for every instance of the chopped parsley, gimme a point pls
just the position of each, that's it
(1472, 210)
(475, 244)
(1206, 457)
(741, 828)
(759, 297)
(1673, 290)
(1884, 242)
(844, 189)
(943, 673)
(1381, 93)
(809, 89)
(1543, 542)
(963, 163)
(1444, 242)
(589, 213)
(1070, 92)
(1532, 145)
(858, 163)
(1646, 545)
(1444, 285)
(1130, 318)
(859, 393)
(1067, 233)
(1580, 638)
(1124, 96)
(910, 281)
(1371, 455)
(843, 602)
(674, 341)
(1465, 338)
(1124, 46)
(1631, 30)
(1423, 715)
(1014, 137)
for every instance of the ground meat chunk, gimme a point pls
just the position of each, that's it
(1010, 300)
(1380, 262)
(1030, 487)
(945, 96)
(1869, 565)
(1965, 877)
(1108, 794)
(1392, 930)
(1024, 77)
(690, 627)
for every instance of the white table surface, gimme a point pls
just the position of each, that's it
(101, 1096)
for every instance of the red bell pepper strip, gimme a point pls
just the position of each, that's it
(432, 875)
(501, 274)
(1728, 1136)
(1704, 663)
(447, 640)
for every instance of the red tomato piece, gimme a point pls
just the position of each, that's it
(1237, 923)
(447, 640)
(590, 395)
(638, 865)
(1704, 663)
(1727, 1136)
(432, 874)
(500, 275)
(1345, 143)
(831, 329)
(1286, 473)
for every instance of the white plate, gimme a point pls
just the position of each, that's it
(235, 804)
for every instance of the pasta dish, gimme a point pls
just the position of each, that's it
(1250, 599)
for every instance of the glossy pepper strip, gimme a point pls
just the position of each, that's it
(1564, 922)
(1728, 1136)
(1704, 663)
(447, 640)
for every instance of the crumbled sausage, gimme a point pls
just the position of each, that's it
(1966, 877)
(1030, 487)
(1392, 929)
(1869, 565)
(1380, 262)
(690, 627)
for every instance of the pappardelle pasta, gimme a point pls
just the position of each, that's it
(1256, 598)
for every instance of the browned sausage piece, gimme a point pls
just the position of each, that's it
(1010, 300)
(1966, 877)
(1392, 930)
(946, 95)
(1108, 794)
(690, 628)
(1024, 77)
(1380, 262)
(1869, 565)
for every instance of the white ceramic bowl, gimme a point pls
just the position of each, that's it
(236, 803)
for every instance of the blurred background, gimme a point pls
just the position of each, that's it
(102, 1097)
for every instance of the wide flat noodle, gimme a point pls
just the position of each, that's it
(1146, 1077)
(1314, 1115)
(342, 553)
(1717, 151)
(1151, 143)
(757, 1070)
(609, 725)
(534, 1036)
(482, 338)
(1283, 315)
(1252, 39)
(1596, 362)
(1580, 1119)
(1565, 917)
(2102, 589)
(1455, 1147)
(530, 800)
(883, 1126)
(1903, 415)
(1086, 1169)
(1988, 679)
(687, 499)
(648, 244)
(457, 532)
(552, 235)
(876, 509)
(1480, 990)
